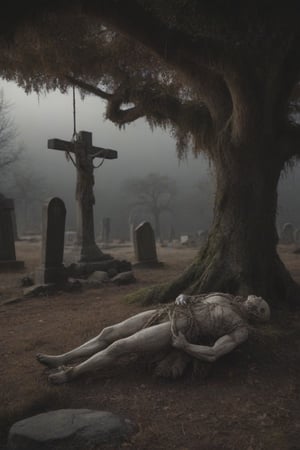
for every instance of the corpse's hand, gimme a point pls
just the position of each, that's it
(179, 341)
(181, 300)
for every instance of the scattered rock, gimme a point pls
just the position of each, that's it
(69, 428)
(27, 281)
(13, 300)
(39, 290)
(112, 272)
(73, 284)
(99, 276)
(124, 278)
(84, 269)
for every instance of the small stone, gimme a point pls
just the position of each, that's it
(124, 278)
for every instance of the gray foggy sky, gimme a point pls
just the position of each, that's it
(141, 151)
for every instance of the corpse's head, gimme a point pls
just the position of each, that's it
(257, 308)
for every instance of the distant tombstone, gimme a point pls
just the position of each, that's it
(287, 234)
(7, 238)
(70, 237)
(202, 236)
(14, 222)
(184, 239)
(105, 235)
(297, 236)
(53, 231)
(144, 244)
(172, 234)
(132, 233)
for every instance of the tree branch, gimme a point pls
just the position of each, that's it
(161, 108)
(90, 88)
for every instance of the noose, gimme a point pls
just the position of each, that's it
(75, 135)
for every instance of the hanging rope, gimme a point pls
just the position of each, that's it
(75, 138)
(75, 135)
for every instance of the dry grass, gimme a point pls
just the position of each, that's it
(249, 400)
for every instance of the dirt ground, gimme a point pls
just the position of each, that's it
(248, 400)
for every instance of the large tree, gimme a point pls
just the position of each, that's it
(221, 75)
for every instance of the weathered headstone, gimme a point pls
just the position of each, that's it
(53, 232)
(14, 221)
(105, 230)
(172, 233)
(297, 236)
(184, 239)
(287, 234)
(70, 237)
(85, 153)
(144, 244)
(7, 239)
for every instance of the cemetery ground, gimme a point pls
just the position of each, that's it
(248, 400)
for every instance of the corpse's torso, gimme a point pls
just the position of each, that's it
(206, 318)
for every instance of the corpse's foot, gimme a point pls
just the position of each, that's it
(50, 361)
(63, 376)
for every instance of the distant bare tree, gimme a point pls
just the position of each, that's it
(9, 149)
(154, 193)
(29, 190)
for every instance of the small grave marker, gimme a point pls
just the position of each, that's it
(105, 235)
(144, 244)
(7, 236)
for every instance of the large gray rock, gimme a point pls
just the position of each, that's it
(69, 428)
(98, 276)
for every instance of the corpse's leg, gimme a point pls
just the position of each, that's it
(106, 337)
(150, 339)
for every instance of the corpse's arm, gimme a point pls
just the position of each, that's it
(223, 345)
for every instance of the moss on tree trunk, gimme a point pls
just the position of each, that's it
(240, 256)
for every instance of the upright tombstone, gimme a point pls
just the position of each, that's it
(144, 245)
(53, 232)
(14, 222)
(7, 239)
(105, 230)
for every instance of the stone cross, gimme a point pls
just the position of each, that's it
(53, 232)
(85, 153)
(7, 239)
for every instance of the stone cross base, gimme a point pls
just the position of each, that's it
(148, 264)
(92, 253)
(45, 275)
(11, 265)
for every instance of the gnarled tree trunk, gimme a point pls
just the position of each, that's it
(240, 255)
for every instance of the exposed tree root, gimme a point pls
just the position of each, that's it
(278, 287)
